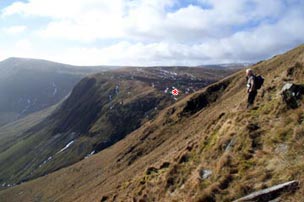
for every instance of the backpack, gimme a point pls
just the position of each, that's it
(258, 81)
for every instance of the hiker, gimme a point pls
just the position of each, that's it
(251, 87)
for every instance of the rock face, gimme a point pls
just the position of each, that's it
(271, 193)
(291, 93)
(205, 173)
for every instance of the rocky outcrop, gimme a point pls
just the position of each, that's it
(202, 100)
(266, 195)
(291, 94)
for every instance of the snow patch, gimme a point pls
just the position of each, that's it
(7, 185)
(46, 161)
(116, 89)
(27, 106)
(55, 89)
(55, 92)
(66, 147)
(90, 154)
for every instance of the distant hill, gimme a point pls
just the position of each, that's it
(205, 147)
(101, 110)
(227, 66)
(30, 85)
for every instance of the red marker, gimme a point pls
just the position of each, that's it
(175, 92)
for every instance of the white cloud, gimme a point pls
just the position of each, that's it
(24, 45)
(16, 29)
(20, 48)
(154, 32)
(61, 9)
(140, 19)
(15, 8)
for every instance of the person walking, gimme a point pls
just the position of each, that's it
(251, 88)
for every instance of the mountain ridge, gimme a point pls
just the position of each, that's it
(94, 117)
(18, 60)
(29, 85)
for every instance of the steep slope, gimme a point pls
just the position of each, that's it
(13, 132)
(29, 85)
(102, 109)
(206, 147)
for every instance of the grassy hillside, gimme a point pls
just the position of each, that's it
(101, 110)
(206, 147)
(13, 132)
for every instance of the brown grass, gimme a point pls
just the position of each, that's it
(257, 158)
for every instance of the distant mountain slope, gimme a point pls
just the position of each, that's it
(101, 110)
(13, 132)
(227, 66)
(29, 85)
(205, 147)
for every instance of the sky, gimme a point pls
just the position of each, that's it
(150, 32)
